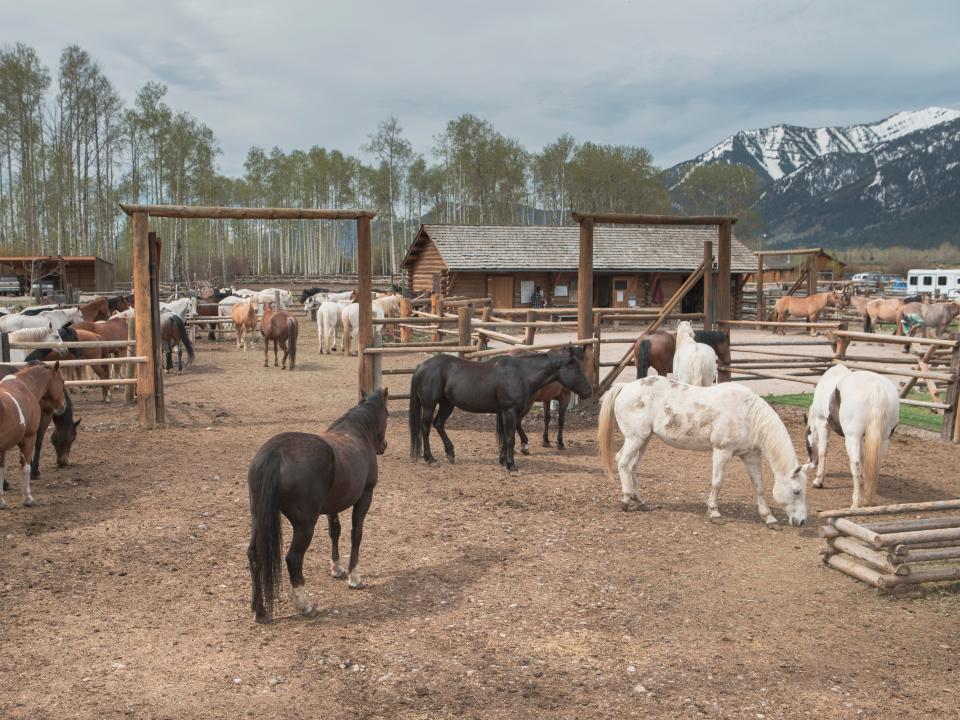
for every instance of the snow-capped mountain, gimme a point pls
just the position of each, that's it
(892, 182)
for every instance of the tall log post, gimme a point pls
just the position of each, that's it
(585, 294)
(159, 398)
(597, 331)
(761, 307)
(708, 289)
(951, 418)
(464, 326)
(146, 372)
(365, 291)
(406, 333)
(530, 332)
(724, 250)
(811, 274)
(436, 308)
(130, 369)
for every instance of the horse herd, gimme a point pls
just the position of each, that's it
(303, 476)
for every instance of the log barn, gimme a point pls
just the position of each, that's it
(638, 266)
(789, 268)
(86, 273)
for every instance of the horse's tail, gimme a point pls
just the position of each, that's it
(293, 329)
(345, 340)
(266, 533)
(873, 441)
(643, 358)
(607, 426)
(413, 417)
(867, 321)
(184, 337)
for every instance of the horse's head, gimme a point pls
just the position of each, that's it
(64, 435)
(378, 398)
(684, 329)
(790, 492)
(569, 362)
(56, 392)
(836, 300)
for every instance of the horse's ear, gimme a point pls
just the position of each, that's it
(76, 424)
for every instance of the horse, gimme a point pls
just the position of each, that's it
(280, 327)
(208, 310)
(64, 429)
(863, 408)
(88, 353)
(44, 334)
(694, 363)
(173, 333)
(185, 307)
(120, 303)
(912, 317)
(37, 309)
(303, 476)
(546, 394)
(328, 322)
(96, 309)
(808, 307)
(310, 292)
(728, 419)
(113, 329)
(59, 318)
(21, 396)
(350, 319)
(505, 387)
(656, 349)
(270, 295)
(882, 310)
(244, 316)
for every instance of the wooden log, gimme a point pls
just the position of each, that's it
(916, 536)
(910, 554)
(549, 346)
(365, 299)
(892, 509)
(100, 383)
(127, 360)
(244, 213)
(899, 549)
(398, 371)
(77, 344)
(761, 308)
(414, 349)
(436, 309)
(951, 418)
(464, 329)
(709, 290)
(895, 339)
(642, 219)
(848, 527)
(146, 374)
(585, 292)
(877, 560)
(943, 377)
(777, 376)
(130, 371)
(406, 334)
(159, 396)
(829, 531)
(733, 367)
(771, 323)
(888, 582)
(501, 337)
(849, 566)
(914, 524)
(531, 329)
(724, 307)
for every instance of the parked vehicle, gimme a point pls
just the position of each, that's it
(942, 281)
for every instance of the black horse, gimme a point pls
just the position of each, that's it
(310, 292)
(504, 387)
(64, 430)
(304, 476)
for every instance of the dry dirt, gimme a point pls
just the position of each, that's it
(124, 592)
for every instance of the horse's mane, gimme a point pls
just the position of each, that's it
(365, 414)
(711, 337)
(35, 334)
(771, 435)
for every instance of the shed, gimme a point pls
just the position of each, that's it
(787, 268)
(633, 265)
(86, 273)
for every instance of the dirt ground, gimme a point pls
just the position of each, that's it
(124, 592)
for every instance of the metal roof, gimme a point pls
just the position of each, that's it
(525, 248)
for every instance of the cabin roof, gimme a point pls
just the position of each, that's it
(524, 248)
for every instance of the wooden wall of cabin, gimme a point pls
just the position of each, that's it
(424, 273)
(468, 284)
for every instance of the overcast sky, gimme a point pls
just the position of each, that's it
(675, 77)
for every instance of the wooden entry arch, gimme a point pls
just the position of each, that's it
(149, 380)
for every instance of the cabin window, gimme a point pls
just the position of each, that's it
(941, 280)
(913, 280)
(619, 284)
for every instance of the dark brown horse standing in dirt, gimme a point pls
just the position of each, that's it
(280, 327)
(808, 307)
(305, 476)
(656, 349)
(21, 396)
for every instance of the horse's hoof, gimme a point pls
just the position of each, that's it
(642, 507)
(33, 476)
(263, 619)
(524, 450)
(431, 462)
(451, 459)
(28, 502)
(310, 611)
(358, 585)
(817, 485)
(718, 520)
(625, 505)
(340, 574)
(561, 446)
(511, 467)
(546, 443)
(774, 526)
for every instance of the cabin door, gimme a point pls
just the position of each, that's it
(500, 290)
(623, 289)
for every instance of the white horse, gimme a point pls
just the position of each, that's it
(728, 419)
(59, 318)
(693, 363)
(270, 296)
(45, 333)
(328, 322)
(185, 307)
(225, 306)
(863, 408)
(350, 318)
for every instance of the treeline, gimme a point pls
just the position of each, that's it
(72, 149)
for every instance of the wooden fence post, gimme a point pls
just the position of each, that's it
(130, 370)
(159, 398)
(406, 333)
(761, 306)
(724, 255)
(4, 347)
(435, 309)
(951, 417)
(365, 291)
(464, 326)
(530, 332)
(146, 372)
(708, 299)
(597, 331)
(585, 292)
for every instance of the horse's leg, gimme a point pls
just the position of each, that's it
(275, 342)
(45, 419)
(562, 401)
(333, 529)
(3, 479)
(627, 461)
(854, 445)
(822, 438)
(812, 319)
(179, 359)
(266, 352)
(522, 434)
(356, 536)
(720, 459)
(546, 424)
(510, 436)
(426, 420)
(286, 353)
(27, 442)
(501, 445)
(302, 535)
(754, 470)
(444, 410)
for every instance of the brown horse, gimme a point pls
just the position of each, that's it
(244, 316)
(112, 329)
(305, 476)
(88, 353)
(656, 349)
(20, 415)
(98, 309)
(280, 327)
(173, 333)
(210, 310)
(120, 303)
(925, 316)
(808, 307)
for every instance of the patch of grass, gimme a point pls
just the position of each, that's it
(909, 415)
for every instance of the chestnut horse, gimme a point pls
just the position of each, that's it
(305, 476)
(98, 309)
(20, 415)
(113, 329)
(244, 316)
(808, 307)
(280, 327)
(656, 349)
(88, 353)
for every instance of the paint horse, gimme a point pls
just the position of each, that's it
(505, 388)
(694, 363)
(656, 349)
(21, 396)
(281, 328)
(729, 420)
(304, 476)
(863, 408)
(808, 307)
(244, 316)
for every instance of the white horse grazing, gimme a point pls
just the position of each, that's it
(350, 318)
(693, 363)
(728, 419)
(863, 408)
(328, 322)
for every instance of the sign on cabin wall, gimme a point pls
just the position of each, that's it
(526, 291)
(561, 291)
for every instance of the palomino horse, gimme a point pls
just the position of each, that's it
(173, 333)
(863, 408)
(505, 387)
(808, 307)
(729, 420)
(21, 396)
(656, 349)
(64, 429)
(694, 363)
(547, 394)
(280, 327)
(885, 310)
(244, 316)
(305, 476)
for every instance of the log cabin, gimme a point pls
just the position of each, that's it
(634, 266)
